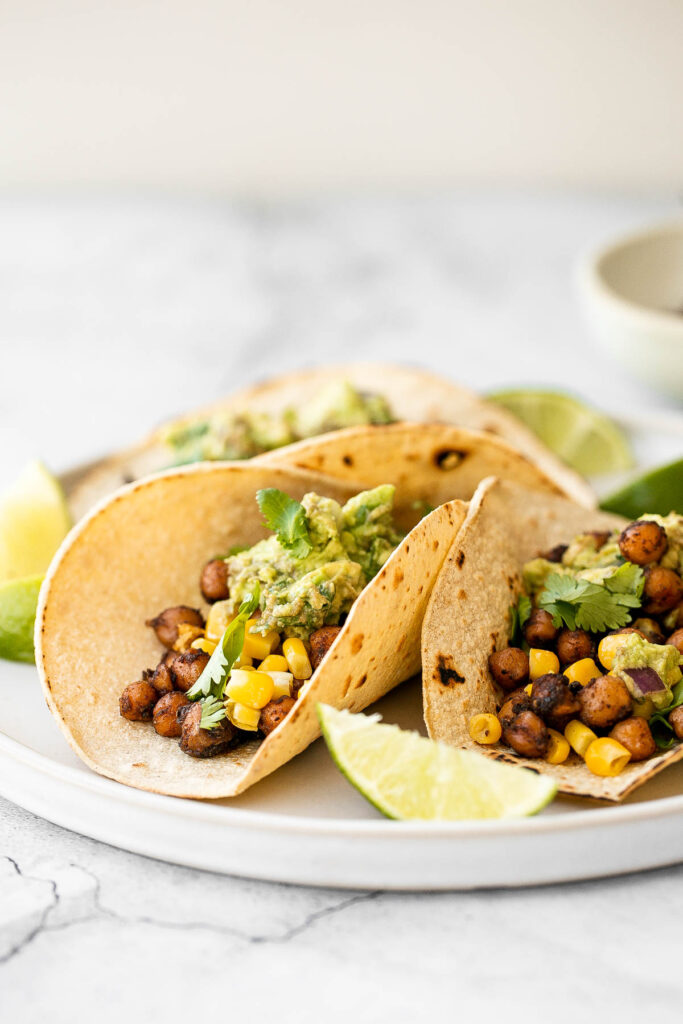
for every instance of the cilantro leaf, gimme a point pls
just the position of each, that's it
(580, 604)
(662, 730)
(215, 675)
(519, 613)
(287, 519)
(213, 712)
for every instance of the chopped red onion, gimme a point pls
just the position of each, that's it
(646, 679)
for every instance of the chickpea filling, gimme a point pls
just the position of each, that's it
(593, 666)
(275, 610)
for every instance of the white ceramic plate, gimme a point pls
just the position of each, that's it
(306, 824)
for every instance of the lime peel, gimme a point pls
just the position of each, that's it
(658, 490)
(408, 777)
(34, 520)
(18, 602)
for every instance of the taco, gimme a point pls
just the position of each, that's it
(553, 639)
(296, 406)
(337, 562)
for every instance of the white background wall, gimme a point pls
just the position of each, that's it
(280, 96)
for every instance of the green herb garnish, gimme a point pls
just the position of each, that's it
(215, 675)
(213, 712)
(286, 518)
(662, 730)
(579, 604)
(519, 613)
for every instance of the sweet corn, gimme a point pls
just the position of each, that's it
(274, 663)
(242, 716)
(579, 736)
(607, 649)
(187, 634)
(485, 729)
(541, 662)
(244, 661)
(582, 671)
(282, 683)
(607, 757)
(257, 646)
(297, 658)
(558, 748)
(219, 618)
(528, 688)
(202, 644)
(254, 689)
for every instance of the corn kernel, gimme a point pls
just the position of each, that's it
(297, 658)
(254, 689)
(582, 672)
(202, 644)
(607, 757)
(274, 663)
(282, 683)
(579, 736)
(257, 646)
(219, 618)
(608, 647)
(558, 748)
(242, 716)
(244, 661)
(528, 688)
(186, 635)
(485, 729)
(541, 662)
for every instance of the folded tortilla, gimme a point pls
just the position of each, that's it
(468, 617)
(413, 394)
(143, 550)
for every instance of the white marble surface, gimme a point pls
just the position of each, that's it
(115, 312)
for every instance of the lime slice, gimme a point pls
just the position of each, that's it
(585, 439)
(34, 519)
(18, 600)
(660, 490)
(408, 777)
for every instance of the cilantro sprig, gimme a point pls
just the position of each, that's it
(662, 730)
(215, 675)
(519, 613)
(579, 604)
(213, 712)
(286, 518)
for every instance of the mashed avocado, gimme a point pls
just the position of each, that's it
(348, 546)
(246, 434)
(637, 653)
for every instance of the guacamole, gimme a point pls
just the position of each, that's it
(229, 435)
(346, 546)
(636, 653)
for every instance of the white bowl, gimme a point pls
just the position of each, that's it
(632, 291)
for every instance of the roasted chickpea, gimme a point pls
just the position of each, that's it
(604, 702)
(186, 668)
(676, 640)
(214, 580)
(274, 712)
(137, 701)
(513, 705)
(676, 722)
(555, 554)
(643, 542)
(662, 591)
(573, 645)
(321, 640)
(527, 735)
(539, 630)
(553, 701)
(198, 742)
(161, 677)
(650, 629)
(509, 668)
(635, 735)
(166, 623)
(165, 717)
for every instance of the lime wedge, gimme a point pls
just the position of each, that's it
(18, 600)
(585, 439)
(34, 519)
(659, 490)
(408, 777)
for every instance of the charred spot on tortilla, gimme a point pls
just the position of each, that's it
(347, 460)
(449, 458)
(460, 559)
(398, 579)
(362, 681)
(447, 673)
(357, 643)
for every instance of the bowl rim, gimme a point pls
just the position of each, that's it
(592, 277)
